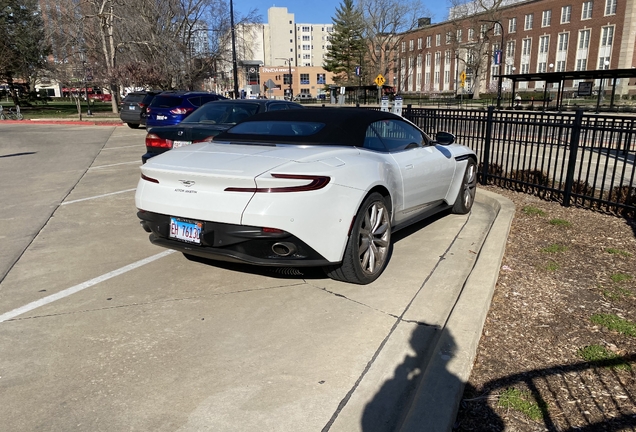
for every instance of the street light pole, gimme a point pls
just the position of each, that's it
(234, 67)
(501, 61)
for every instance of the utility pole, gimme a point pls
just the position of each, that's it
(501, 61)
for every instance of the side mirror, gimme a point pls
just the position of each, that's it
(444, 138)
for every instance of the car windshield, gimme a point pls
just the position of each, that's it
(166, 101)
(222, 113)
(277, 128)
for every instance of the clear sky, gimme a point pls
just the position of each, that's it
(321, 12)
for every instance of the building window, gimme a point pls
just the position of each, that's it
(459, 35)
(526, 44)
(438, 39)
(496, 29)
(306, 47)
(471, 34)
(560, 66)
(411, 45)
(610, 7)
(403, 46)
(304, 78)
(528, 22)
(541, 67)
(566, 14)
(306, 29)
(428, 41)
(419, 43)
(428, 60)
(525, 68)
(483, 31)
(306, 38)
(584, 40)
(306, 56)
(587, 10)
(546, 18)
(320, 78)
(602, 61)
(448, 37)
(512, 25)
(510, 49)
(563, 41)
(447, 58)
(438, 58)
(544, 43)
(607, 36)
(446, 77)
(581, 64)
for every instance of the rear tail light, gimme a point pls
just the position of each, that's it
(154, 141)
(150, 179)
(315, 183)
(148, 110)
(181, 110)
(141, 105)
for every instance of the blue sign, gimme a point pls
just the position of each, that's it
(358, 71)
(497, 56)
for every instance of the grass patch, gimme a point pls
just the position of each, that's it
(554, 248)
(533, 211)
(616, 323)
(560, 223)
(600, 356)
(523, 402)
(620, 277)
(618, 252)
(617, 293)
(552, 266)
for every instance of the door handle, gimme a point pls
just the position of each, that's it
(409, 166)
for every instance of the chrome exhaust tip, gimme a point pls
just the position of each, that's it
(284, 249)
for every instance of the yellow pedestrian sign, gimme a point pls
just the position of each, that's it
(462, 78)
(379, 80)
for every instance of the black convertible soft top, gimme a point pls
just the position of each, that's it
(342, 126)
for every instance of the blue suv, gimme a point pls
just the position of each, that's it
(170, 107)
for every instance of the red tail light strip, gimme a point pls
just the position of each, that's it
(150, 179)
(317, 182)
(153, 140)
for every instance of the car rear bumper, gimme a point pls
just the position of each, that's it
(235, 243)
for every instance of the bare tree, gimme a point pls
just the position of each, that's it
(474, 36)
(386, 23)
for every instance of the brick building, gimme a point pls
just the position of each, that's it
(538, 36)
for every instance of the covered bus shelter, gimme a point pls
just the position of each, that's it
(609, 76)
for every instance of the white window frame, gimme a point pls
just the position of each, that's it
(546, 18)
(512, 25)
(566, 14)
(528, 21)
(586, 12)
(610, 7)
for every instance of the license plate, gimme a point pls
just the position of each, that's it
(185, 231)
(161, 117)
(176, 144)
(130, 107)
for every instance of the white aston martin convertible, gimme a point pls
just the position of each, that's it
(316, 187)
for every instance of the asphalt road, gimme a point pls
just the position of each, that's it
(100, 330)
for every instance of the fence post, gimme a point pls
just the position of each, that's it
(486, 153)
(574, 149)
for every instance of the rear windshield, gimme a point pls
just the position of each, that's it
(277, 128)
(166, 101)
(222, 113)
(134, 98)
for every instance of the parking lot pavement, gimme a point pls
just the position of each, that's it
(100, 330)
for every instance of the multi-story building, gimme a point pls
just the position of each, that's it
(537, 36)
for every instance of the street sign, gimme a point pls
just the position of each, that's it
(379, 80)
(358, 71)
(462, 78)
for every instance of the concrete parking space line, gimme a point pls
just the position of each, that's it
(79, 287)
(98, 196)
(112, 165)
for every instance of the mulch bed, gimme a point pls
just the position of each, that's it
(562, 266)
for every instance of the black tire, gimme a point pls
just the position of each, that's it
(369, 245)
(466, 194)
(133, 125)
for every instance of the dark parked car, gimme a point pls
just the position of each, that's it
(134, 106)
(209, 120)
(171, 107)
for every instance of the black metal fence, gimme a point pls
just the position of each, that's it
(578, 159)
